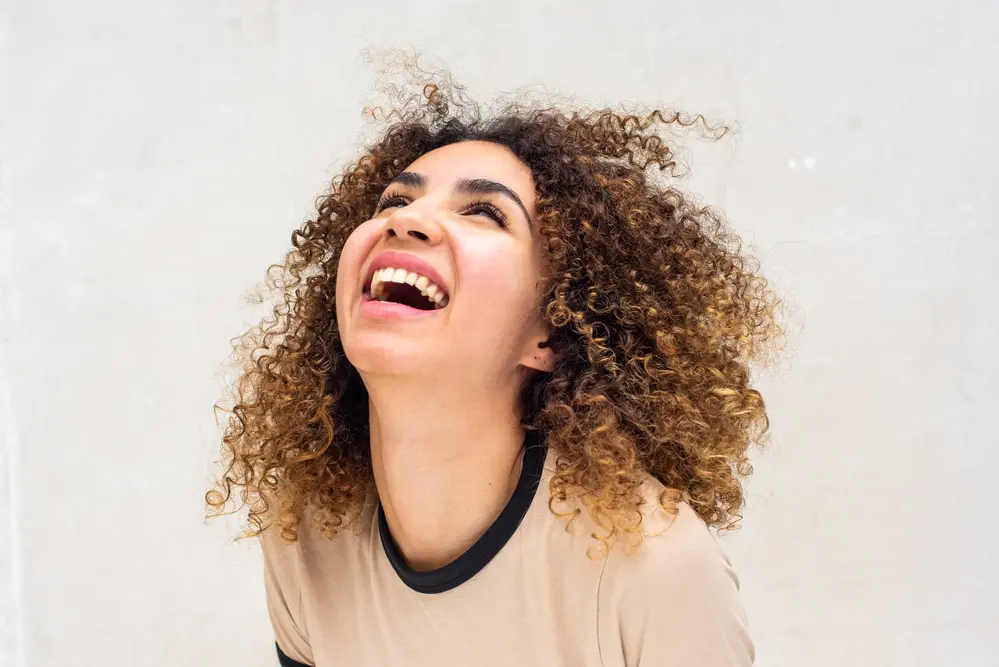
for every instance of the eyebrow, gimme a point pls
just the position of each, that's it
(474, 186)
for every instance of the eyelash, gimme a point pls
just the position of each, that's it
(493, 212)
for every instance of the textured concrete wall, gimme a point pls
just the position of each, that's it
(157, 155)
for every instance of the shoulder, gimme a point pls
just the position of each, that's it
(679, 554)
(674, 600)
(668, 538)
(312, 552)
(677, 549)
(299, 575)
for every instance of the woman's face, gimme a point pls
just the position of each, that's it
(443, 281)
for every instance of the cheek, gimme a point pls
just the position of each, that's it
(355, 249)
(501, 288)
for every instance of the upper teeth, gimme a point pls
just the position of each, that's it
(422, 283)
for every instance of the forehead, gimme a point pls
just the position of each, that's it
(476, 159)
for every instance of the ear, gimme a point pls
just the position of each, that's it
(539, 355)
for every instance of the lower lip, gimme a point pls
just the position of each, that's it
(386, 310)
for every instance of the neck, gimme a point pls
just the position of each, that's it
(444, 466)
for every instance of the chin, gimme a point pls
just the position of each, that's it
(387, 355)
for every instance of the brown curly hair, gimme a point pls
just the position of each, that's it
(655, 311)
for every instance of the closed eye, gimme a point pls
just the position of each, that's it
(390, 202)
(490, 211)
(478, 207)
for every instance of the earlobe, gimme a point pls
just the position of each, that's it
(539, 353)
(544, 357)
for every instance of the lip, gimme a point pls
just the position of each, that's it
(402, 260)
(387, 310)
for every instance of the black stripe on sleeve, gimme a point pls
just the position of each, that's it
(285, 661)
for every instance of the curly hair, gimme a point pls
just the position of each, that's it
(656, 315)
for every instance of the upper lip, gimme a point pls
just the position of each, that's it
(402, 260)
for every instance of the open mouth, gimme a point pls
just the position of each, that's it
(407, 288)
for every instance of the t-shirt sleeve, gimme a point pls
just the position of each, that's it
(675, 607)
(284, 601)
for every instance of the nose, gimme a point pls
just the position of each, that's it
(416, 221)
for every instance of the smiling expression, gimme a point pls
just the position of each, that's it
(444, 278)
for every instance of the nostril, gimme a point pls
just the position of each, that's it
(419, 235)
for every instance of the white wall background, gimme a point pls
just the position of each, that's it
(157, 155)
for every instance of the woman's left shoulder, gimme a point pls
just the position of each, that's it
(675, 599)
(675, 542)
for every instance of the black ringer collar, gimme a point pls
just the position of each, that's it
(485, 549)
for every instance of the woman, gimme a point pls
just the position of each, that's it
(503, 401)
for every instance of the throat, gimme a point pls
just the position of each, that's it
(435, 551)
(436, 509)
(438, 538)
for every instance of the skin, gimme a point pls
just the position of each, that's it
(443, 390)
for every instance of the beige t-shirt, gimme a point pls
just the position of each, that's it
(525, 594)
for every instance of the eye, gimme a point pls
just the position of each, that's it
(475, 208)
(390, 202)
(489, 210)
